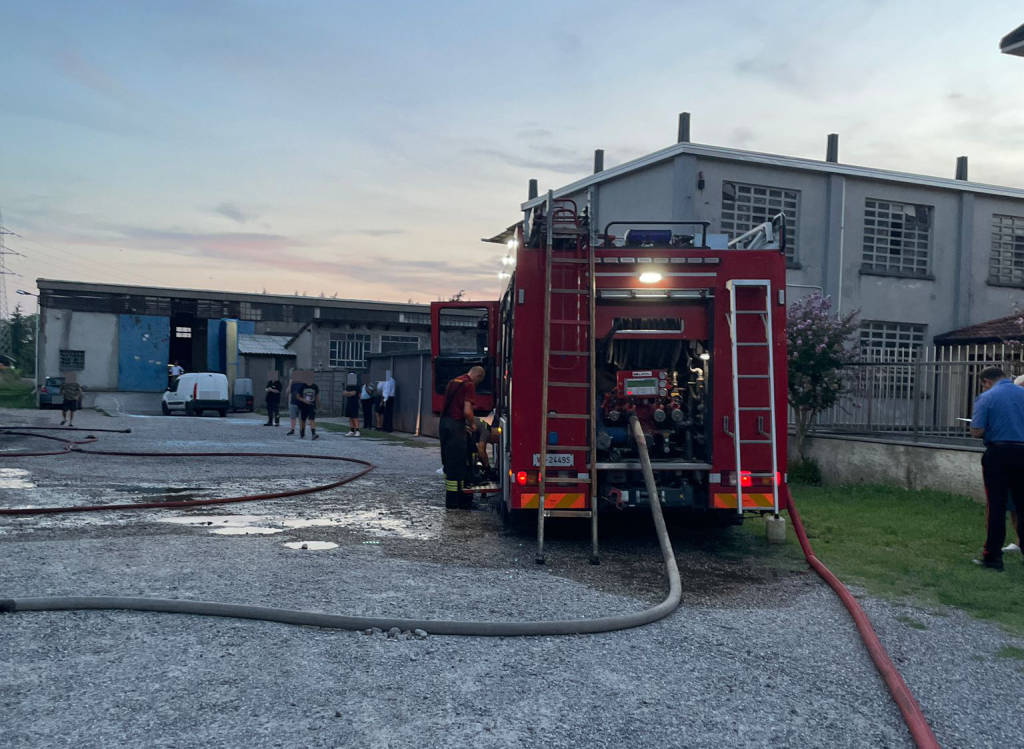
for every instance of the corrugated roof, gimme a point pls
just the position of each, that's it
(1006, 328)
(264, 345)
(785, 162)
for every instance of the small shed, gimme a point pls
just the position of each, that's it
(259, 355)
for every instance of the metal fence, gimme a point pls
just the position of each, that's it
(926, 392)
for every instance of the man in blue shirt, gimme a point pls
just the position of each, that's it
(999, 420)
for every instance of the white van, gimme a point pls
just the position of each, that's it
(196, 392)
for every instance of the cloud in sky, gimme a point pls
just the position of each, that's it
(366, 148)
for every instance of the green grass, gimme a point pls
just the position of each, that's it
(1009, 651)
(908, 545)
(14, 393)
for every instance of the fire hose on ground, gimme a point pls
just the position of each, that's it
(908, 706)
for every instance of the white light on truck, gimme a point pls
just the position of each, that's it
(650, 276)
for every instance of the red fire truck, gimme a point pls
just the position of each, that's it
(641, 318)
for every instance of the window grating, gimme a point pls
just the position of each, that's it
(349, 350)
(1006, 263)
(72, 360)
(746, 206)
(897, 237)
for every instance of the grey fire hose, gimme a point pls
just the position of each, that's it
(439, 627)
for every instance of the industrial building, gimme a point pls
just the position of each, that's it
(122, 338)
(918, 256)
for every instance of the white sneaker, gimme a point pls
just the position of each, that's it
(355, 433)
(1011, 547)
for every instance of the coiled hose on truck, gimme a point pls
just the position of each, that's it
(913, 716)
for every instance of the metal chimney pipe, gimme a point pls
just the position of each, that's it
(832, 150)
(598, 160)
(684, 128)
(961, 168)
(531, 192)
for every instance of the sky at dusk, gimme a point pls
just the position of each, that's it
(363, 149)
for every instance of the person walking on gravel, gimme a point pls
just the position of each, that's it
(457, 422)
(309, 399)
(71, 395)
(999, 420)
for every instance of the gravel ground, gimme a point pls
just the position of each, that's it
(755, 655)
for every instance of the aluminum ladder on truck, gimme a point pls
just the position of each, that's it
(754, 401)
(568, 249)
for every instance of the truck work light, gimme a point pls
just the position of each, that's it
(650, 276)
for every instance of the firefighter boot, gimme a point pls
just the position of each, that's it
(451, 495)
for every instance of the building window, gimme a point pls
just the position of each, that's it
(890, 341)
(249, 311)
(181, 332)
(391, 343)
(897, 237)
(746, 206)
(72, 361)
(349, 350)
(1006, 264)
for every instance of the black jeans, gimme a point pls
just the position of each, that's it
(272, 411)
(1002, 467)
(367, 412)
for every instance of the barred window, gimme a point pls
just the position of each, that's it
(1006, 263)
(746, 206)
(896, 345)
(72, 360)
(897, 237)
(250, 311)
(349, 350)
(392, 343)
(890, 341)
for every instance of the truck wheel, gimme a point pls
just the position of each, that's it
(223, 412)
(165, 409)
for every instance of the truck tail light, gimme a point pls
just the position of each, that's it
(778, 478)
(521, 478)
(746, 479)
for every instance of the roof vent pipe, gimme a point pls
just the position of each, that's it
(961, 168)
(598, 160)
(684, 127)
(531, 192)
(832, 150)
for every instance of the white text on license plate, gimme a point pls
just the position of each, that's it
(555, 459)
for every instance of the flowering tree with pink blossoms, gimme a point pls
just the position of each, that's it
(818, 345)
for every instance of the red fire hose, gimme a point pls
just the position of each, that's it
(920, 731)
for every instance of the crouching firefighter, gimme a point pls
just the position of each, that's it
(457, 421)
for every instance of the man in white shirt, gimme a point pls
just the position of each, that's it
(387, 400)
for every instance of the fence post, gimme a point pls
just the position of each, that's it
(915, 393)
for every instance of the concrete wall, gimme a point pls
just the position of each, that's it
(830, 235)
(92, 332)
(862, 460)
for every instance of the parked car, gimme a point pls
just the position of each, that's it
(242, 399)
(196, 392)
(49, 393)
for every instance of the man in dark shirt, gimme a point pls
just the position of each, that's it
(273, 391)
(999, 420)
(457, 421)
(309, 398)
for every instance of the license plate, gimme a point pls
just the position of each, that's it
(555, 459)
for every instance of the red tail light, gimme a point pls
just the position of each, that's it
(778, 478)
(521, 478)
(746, 479)
(43, 389)
(195, 391)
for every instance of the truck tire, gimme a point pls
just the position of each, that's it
(165, 409)
(223, 412)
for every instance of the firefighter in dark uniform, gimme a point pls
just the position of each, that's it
(457, 421)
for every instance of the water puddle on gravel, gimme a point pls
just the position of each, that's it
(15, 478)
(311, 545)
(246, 530)
(372, 522)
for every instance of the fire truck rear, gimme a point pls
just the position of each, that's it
(635, 318)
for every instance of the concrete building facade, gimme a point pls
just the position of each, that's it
(121, 338)
(916, 255)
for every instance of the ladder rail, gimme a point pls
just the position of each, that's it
(545, 363)
(735, 344)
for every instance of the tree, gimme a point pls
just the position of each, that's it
(23, 340)
(818, 345)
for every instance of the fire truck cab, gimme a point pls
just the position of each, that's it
(634, 318)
